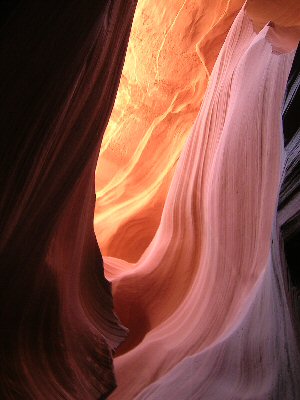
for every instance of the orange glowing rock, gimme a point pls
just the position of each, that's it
(171, 52)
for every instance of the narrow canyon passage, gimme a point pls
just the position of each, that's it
(159, 260)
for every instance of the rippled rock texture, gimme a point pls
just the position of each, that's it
(207, 304)
(172, 50)
(201, 211)
(60, 69)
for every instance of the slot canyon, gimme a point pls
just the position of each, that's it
(150, 200)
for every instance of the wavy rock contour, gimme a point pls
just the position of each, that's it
(60, 71)
(203, 302)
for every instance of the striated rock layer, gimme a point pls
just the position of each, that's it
(172, 50)
(60, 68)
(171, 53)
(206, 303)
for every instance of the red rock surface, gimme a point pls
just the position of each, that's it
(60, 68)
(205, 293)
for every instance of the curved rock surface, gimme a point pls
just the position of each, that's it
(60, 68)
(206, 304)
(172, 50)
(204, 243)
